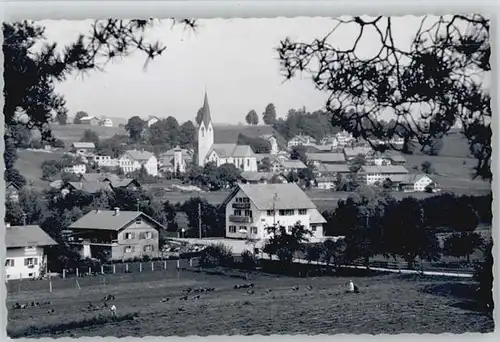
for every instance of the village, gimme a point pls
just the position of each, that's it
(113, 220)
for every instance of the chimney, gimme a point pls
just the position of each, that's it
(117, 211)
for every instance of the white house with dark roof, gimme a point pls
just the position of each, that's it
(106, 122)
(83, 148)
(175, 159)
(371, 174)
(325, 158)
(412, 182)
(25, 251)
(242, 156)
(301, 140)
(252, 207)
(273, 142)
(332, 170)
(89, 120)
(117, 234)
(352, 152)
(287, 165)
(133, 160)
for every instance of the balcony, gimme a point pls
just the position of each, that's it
(240, 205)
(240, 219)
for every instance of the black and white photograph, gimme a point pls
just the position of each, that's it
(248, 176)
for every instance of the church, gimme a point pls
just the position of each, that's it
(241, 156)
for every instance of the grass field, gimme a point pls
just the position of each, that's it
(70, 133)
(385, 304)
(29, 165)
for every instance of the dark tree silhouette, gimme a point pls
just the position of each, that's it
(252, 118)
(269, 115)
(199, 115)
(135, 127)
(440, 75)
(78, 117)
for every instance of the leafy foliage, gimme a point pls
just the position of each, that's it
(440, 76)
(285, 244)
(269, 115)
(252, 118)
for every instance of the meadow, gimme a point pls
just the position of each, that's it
(386, 304)
(70, 133)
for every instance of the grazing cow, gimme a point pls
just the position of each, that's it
(51, 311)
(196, 297)
(250, 291)
(165, 300)
(309, 287)
(295, 288)
(352, 287)
(183, 298)
(113, 310)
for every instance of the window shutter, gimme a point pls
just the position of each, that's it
(145, 248)
(131, 235)
(133, 248)
(26, 262)
(142, 236)
(152, 248)
(35, 261)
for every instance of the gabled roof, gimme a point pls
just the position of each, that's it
(384, 169)
(232, 150)
(13, 185)
(292, 164)
(88, 118)
(109, 220)
(139, 155)
(334, 168)
(316, 217)
(354, 151)
(83, 145)
(24, 236)
(256, 176)
(90, 187)
(326, 157)
(408, 178)
(278, 196)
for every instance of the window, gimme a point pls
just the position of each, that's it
(30, 261)
(248, 162)
(148, 248)
(129, 236)
(289, 229)
(232, 229)
(270, 213)
(138, 221)
(148, 235)
(313, 227)
(287, 212)
(128, 249)
(202, 131)
(9, 263)
(302, 211)
(248, 213)
(254, 230)
(237, 212)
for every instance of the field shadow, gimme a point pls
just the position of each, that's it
(464, 294)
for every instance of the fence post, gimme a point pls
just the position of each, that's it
(140, 267)
(178, 263)
(64, 273)
(90, 270)
(152, 265)
(50, 283)
(77, 272)
(102, 269)
(114, 268)
(126, 267)
(190, 262)
(164, 264)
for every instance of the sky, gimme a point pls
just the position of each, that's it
(233, 60)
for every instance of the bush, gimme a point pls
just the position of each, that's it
(248, 260)
(216, 255)
(484, 275)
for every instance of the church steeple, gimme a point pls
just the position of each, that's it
(206, 118)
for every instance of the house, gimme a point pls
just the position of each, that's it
(329, 141)
(249, 177)
(116, 234)
(250, 208)
(371, 174)
(286, 166)
(133, 160)
(105, 161)
(332, 170)
(241, 156)
(378, 159)
(412, 182)
(343, 138)
(396, 157)
(326, 183)
(125, 183)
(26, 251)
(325, 158)
(273, 141)
(77, 169)
(83, 148)
(176, 159)
(352, 152)
(12, 191)
(109, 181)
(106, 123)
(88, 187)
(89, 120)
(301, 140)
(152, 120)
(315, 148)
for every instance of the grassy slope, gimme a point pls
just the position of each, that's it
(70, 133)
(29, 165)
(385, 304)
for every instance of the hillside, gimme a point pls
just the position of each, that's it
(70, 133)
(29, 165)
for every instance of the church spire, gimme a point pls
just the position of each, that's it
(206, 118)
